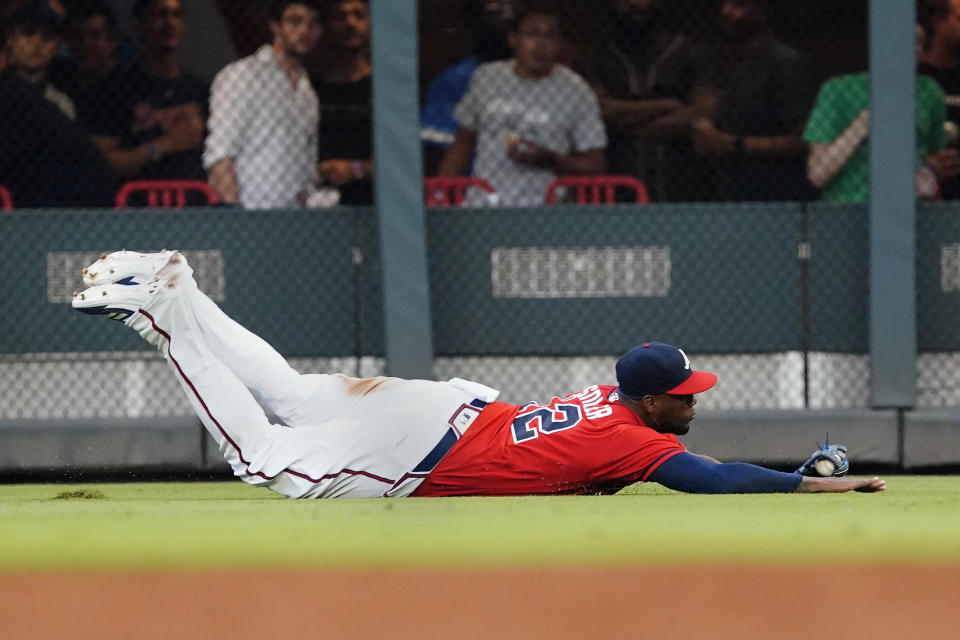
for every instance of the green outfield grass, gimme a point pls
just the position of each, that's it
(229, 524)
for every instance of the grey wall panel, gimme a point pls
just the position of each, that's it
(734, 280)
(761, 437)
(788, 437)
(931, 437)
(100, 445)
(212, 459)
(288, 275)
(370, 277)
(839, 254)
(938, 277)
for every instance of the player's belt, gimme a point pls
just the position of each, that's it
(459, 422)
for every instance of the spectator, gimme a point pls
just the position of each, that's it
(148, 121)
(754, 135)
(652, 83)
(344, 89)
(487, 26)
(261, 151)
(940, 60)
(32, 44)
(92, 34)
(528, 118)
(47, 159)
(838, 163)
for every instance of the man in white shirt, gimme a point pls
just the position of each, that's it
(526, 120)
(261, 150)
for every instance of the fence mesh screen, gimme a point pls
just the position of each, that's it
(298, 279)
(739, 123)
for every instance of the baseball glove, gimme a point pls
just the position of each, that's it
(828, 460)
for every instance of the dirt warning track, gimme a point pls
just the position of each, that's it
(716, 602)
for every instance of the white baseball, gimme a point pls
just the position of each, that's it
(824, 467)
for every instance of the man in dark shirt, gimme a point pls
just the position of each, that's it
(47, 159)
(940, 60)
(754, 135)
(149, 122)
(651, 83)
(32, 43)
(92, 35)
(343, 86)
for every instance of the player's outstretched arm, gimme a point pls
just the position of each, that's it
(694, 473)
(841, 485)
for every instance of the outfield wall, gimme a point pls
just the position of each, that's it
(913, 440)
(537, 301)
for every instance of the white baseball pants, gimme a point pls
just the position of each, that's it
(340, 437)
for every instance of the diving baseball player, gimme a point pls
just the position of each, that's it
(347, 437)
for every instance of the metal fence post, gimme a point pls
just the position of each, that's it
(398, 190)
(892, 205)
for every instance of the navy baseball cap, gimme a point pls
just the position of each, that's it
(653, 368)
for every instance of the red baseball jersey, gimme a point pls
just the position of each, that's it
(587, 442)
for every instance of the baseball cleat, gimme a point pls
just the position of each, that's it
(126, 268)
(116, 301)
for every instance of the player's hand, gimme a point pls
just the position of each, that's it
(530, 153)
(871, 485)
(335, 172)
(710, 141)
(841, 485)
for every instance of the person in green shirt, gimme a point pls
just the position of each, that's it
(838, 161)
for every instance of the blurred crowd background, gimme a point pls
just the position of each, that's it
(268, 104)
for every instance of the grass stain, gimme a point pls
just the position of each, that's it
(81, 494)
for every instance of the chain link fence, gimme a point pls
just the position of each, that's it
(296, 278)
(772, 298)
(738, 123)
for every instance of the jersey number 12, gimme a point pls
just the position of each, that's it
(546, 420)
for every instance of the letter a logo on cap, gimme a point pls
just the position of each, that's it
(686, 360)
